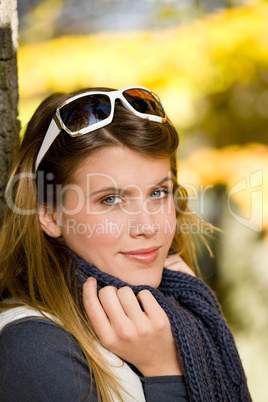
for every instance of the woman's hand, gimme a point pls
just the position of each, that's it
(136, 329)
(176, 263)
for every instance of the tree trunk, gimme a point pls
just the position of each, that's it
(9, 125)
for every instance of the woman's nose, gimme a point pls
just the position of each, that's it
(146, 229)
(143, 224)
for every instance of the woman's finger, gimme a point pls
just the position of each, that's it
(110, 302)
(93, 307)
(151, 307)
(130, 304)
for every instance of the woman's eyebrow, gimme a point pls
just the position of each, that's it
(119, 190)
(168, 178)
(107, 189)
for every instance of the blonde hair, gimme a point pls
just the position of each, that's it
(36, 270)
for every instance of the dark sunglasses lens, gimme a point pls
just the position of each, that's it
(144, 102)
(85, 111)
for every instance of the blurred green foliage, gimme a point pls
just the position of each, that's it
(212, 75)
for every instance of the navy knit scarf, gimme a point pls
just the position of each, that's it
(211, 364)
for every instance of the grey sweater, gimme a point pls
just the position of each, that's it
(40, 362)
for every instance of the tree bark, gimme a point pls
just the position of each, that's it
(9, 125)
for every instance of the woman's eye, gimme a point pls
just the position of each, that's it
(112, 199)
(161, 193)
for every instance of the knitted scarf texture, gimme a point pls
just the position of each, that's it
(212, 367)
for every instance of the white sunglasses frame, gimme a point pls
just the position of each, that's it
(56, 124)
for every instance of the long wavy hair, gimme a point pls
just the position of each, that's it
(36, 269)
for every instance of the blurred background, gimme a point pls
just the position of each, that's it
(208, 62)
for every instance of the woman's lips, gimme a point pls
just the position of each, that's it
(144, 256)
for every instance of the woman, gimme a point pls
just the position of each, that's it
(93, 195)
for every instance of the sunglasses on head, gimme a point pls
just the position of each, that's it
(90, 111)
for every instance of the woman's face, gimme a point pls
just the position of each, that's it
(118, 214)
